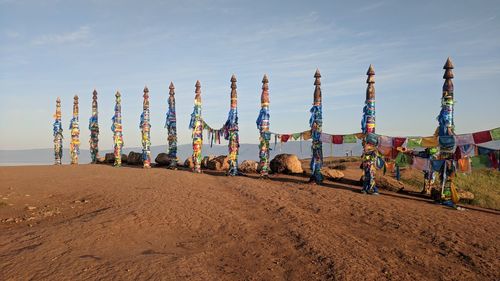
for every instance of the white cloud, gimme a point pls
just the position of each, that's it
(81, 35)
(12, 34)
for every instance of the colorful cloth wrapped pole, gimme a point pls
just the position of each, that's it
(446, 131)
(58, 136)
(263, 126)
(231, 131)
(94, 130)
(117, 131)
(369, 156)
(145, 127)
(171, 125)
(316, 122)
(196, 125)
(74, 146)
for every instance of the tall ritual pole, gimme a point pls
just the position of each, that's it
(117, 131)
(263, 126)
(171, 125)
(74, 146)
(94, 130)
(316, 122)
(368, 128)
(196, 124)
(145, 127)
(58, 137)
(446, 131)
(232, 131)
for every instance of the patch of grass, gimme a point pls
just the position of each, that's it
(485, 184)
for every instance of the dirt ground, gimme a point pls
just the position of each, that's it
(90, 222)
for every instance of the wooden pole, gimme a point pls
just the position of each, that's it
(171, 125)
(263, 126)
(196, 125)
(74, 147)
(316, 123)
(145, 126)
(117, 131)
(94, 130)
(232, 130)
(369, 156)
(58, 137)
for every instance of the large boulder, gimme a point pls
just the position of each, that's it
(189, 163)
(248, 166)
(286, 163)
(465, 196)
(205, 160)
(388, 183)
(135, 158)
(219, 163)
(331, 174)
(162, 159)
(101, 160)
(124, 159)
(109, 158)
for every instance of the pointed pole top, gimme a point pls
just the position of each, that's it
(197, 92)
(233, 81)
(264, 97)
(265, 79)
(58, 100)
(146, 90)
(117, 94)
(75, 98)
(370, 70)
(317, 77)
(448, 64)
(317, 73)
(171, 87)
(371, 75)
(94, 92)
(448, 75)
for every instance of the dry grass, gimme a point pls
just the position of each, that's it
(485, 184)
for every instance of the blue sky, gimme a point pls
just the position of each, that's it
(51, 48)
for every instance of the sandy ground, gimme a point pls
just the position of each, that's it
(92, 222)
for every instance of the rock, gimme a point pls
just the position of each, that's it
(135, 158)
(205, 160)
(189, 163)
(248, 166)
(125, 159)
(109, 158)
(286, 163)
(101, 160)
(465, 195)
(162, 159)
(388, 183)
(31, 208)
(219, 163)
(331, 173)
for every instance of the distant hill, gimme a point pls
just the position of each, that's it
(248, 151)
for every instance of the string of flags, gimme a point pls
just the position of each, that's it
(393, 142)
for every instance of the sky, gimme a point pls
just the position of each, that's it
(51, 48)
